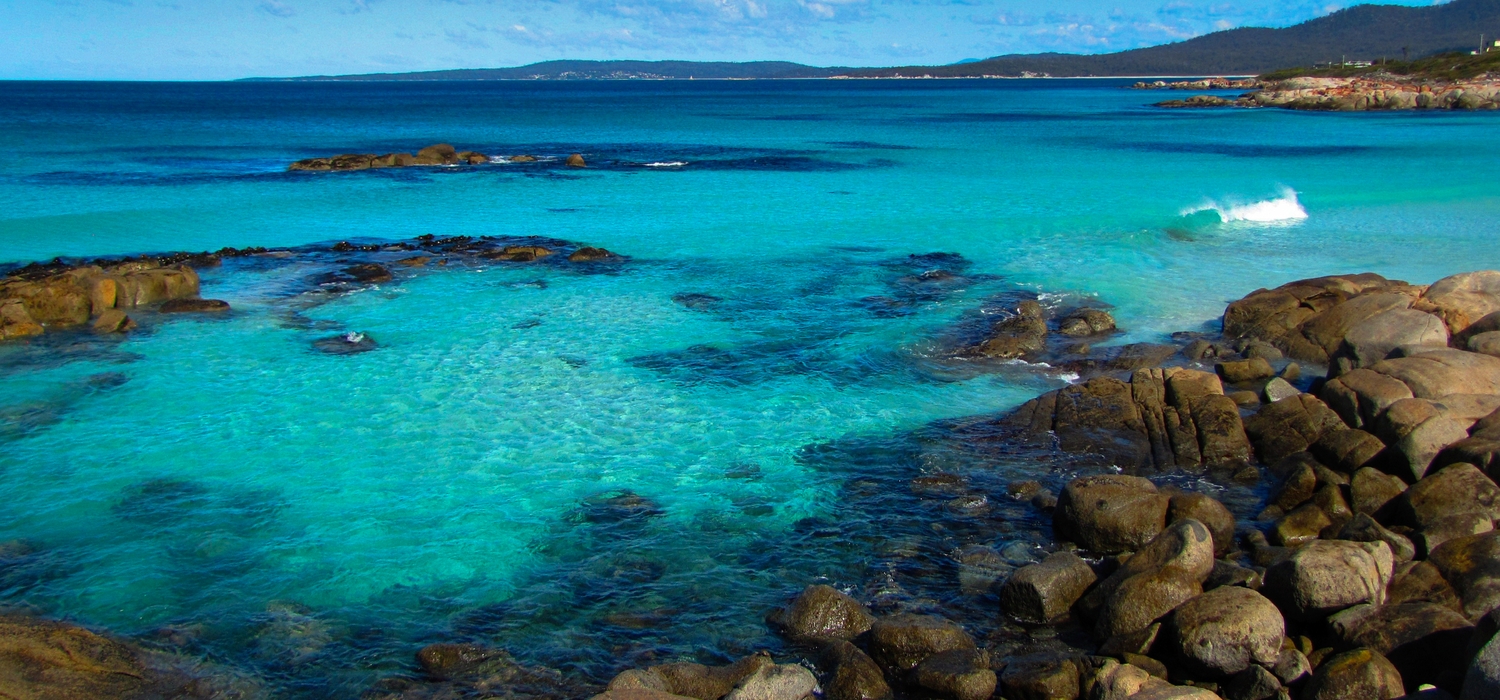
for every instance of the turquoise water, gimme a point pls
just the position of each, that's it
(208, 475)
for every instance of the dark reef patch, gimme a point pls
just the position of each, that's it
(869, 145)
(1242, 150)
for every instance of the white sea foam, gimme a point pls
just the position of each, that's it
(1284, 208)
(667, 164)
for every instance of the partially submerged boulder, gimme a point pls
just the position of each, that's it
(1019, 335)
(1110, 513)
(822, 612)
(899, 642)
(1043, 592)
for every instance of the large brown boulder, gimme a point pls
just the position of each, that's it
(852, 675)
(1472, 565)
(439, 154)
(1086, 322)
(1224, 632)
(776, 682)
(899, 642)
(690, 679)
(1110, 513)
(1375, 338)
(1289, 426)
(454, 661)
(1022, 334)
(1373, 490)
(45, 660)
(1204, 509)
(16, 322)
(1361, 674)
(1483, 679)
(1436, 374)
(959, 674)
(1167, 572)
(576, 161)
(1347, 449)
(1040, 593)
(1040, 676)
(1453, 490)
(1464, 298)
(1359, 397)
(822, 612)
(1326, 576)
(1161, 418)
(1308, 319)
(1425, 641)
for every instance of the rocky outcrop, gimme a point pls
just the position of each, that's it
(1364, 93)
(49, 660)
(34, 302)
(1161, 419)
(440, 154)
(1020, 335)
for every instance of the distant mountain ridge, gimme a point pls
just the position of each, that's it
(1363, 32)
(608, 70)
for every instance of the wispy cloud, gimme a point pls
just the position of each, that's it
(464, 39)
(275, 8)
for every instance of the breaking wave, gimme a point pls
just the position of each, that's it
(1284, 208)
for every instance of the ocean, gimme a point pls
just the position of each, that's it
(767, 370)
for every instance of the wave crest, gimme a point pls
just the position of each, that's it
(1283, 208)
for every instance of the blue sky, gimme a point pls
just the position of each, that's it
(221, 39)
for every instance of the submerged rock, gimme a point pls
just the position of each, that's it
(193, 306)
(368, 273)
(590, 254)
(618, 507)
(346, 344)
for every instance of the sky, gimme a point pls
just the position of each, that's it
(227, 39)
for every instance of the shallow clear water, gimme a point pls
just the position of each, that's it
(205, 474)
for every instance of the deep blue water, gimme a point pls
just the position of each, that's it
(218, 477)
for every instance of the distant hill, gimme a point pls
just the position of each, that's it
(1363, 32)
(608, 70)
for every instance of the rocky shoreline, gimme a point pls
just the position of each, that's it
(1368, 568)
(1366, 93)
